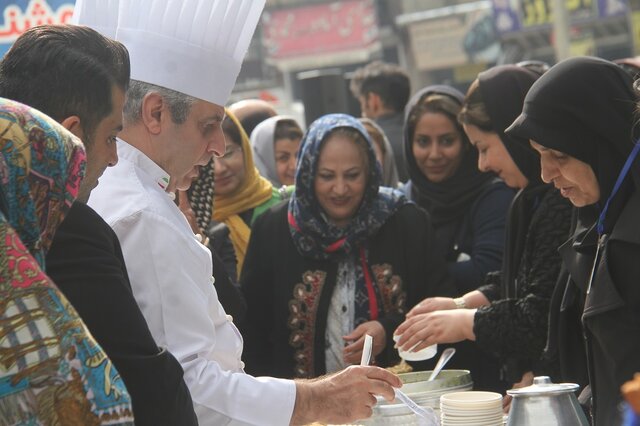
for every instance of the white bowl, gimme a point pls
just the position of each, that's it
(426, 353)
(473, 400)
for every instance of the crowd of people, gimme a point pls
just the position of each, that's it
(169, 260)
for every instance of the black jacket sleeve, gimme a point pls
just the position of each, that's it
(408, 238)
(85, 261)
(487, 227)
(492, 286)
(518, 327)
(228, 291)
(258, 289)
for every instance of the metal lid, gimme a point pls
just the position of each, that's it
(542, 386)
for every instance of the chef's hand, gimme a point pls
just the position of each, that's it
(527, 380)
(343, 397)
(436, 327)
(352, 353)
(432, 304)
(187, 210)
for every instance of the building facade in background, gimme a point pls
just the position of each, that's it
(20, 15)
(304, 51)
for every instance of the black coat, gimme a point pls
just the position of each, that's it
(611, 314)
(514, 326)
(85, 261)
(405, 268)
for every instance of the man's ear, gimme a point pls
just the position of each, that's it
(153, 112)
(72, 124)
(375, 103)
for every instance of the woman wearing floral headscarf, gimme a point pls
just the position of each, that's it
(343, 258)
(53, 371)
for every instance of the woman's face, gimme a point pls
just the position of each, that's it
(229, 169)
(437, 146)
(493, 156)
(574, 178)
(286, 153)
(341, 179)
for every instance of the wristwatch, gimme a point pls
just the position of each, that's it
(460, 303)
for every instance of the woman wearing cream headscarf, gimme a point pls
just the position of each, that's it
(275, 143)
(241, 193)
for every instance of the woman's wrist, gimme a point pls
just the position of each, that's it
(460, 303)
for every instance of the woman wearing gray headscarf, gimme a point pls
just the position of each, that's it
(384, 152)
(275, 143)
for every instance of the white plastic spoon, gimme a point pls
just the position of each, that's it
(426, 417)
(444, 358)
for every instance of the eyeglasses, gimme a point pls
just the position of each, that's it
(228, 155)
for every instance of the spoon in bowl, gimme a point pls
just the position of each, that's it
(444, 358)
(425, 416)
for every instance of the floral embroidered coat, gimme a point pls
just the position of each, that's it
(288, 296)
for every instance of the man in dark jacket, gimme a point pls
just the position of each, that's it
(79, 78)
(383, 91)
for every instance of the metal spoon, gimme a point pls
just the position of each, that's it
(444, 358)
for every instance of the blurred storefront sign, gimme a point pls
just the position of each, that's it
(321, 35)
(608, 8)
(583, 44)
(452, 36)
(517, 15)
(635, 30)
(20, 15)
(468, 72)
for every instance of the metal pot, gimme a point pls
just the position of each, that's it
(546, 404)
(423, 392)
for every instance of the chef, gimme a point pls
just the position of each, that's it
(185, 58)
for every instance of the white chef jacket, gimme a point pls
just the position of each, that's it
(171, 277)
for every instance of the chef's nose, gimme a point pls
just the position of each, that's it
(217, 144)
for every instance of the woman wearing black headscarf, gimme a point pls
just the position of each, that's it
(467, 207)
(580, 118)
(513, 304)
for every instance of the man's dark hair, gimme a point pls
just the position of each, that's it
(65, 70)
(388, 81)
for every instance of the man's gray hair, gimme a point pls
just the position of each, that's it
(178, 103)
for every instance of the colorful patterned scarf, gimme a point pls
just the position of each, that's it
(317, 238)
(51, 369)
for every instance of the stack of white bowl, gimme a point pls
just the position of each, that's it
(472, 408)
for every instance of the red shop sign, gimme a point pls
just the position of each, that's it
(324, 28)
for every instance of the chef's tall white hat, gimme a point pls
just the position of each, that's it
(101, 15)
(195, 47)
